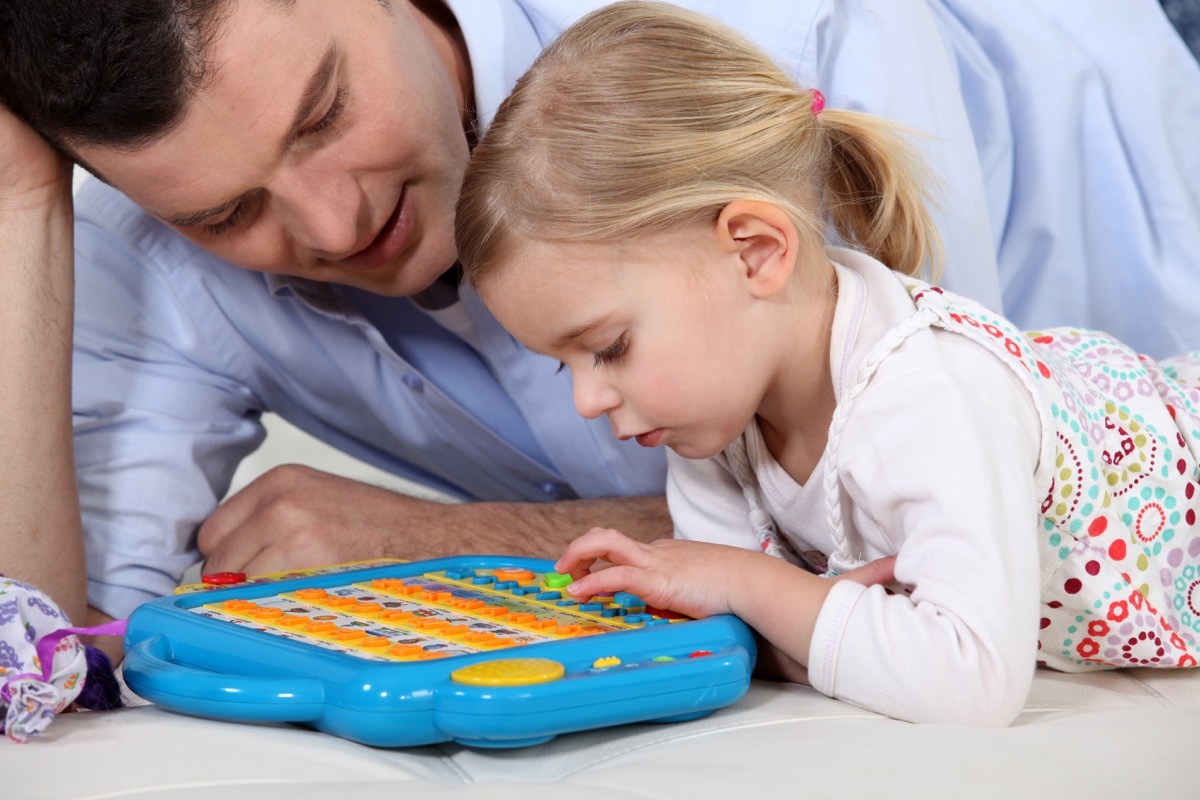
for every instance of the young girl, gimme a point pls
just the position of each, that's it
(655, 206)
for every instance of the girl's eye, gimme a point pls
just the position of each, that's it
(613, 352)
(331, 116)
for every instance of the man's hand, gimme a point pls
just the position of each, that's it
(295, 517)
(33, 174)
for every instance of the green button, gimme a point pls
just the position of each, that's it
(662, 658)
(555, 580)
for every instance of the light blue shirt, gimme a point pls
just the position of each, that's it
(1082, 179)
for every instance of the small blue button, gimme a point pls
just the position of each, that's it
(504, 586)
(460, 574)
(653, 622)
(627, 600)
(636, 619)
(481, 579)
(610, 612)
(413, 381)
(549, 596)
(591, 607)
(565, 603)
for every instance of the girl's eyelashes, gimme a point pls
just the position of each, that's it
(606, 356)
(613, 352)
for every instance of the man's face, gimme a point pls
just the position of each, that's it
(328, 145)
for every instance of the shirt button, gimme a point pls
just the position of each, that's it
(413, 381)
(557, 491)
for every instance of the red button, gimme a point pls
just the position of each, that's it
(700, 653)
(223, 578)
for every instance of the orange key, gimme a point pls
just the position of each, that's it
(406, 650)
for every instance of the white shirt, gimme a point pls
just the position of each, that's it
(943, 436)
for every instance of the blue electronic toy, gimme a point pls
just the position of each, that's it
(482, 650)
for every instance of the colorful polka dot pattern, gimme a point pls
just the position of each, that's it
(1119, 543)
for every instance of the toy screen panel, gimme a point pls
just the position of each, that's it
(437, 615)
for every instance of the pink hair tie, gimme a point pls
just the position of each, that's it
(818, 102)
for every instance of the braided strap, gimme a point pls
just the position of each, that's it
(769, 540)
(841, 559)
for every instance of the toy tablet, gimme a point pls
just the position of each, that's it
(483, 650)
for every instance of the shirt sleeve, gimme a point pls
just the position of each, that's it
(159, 426)
(949, 486)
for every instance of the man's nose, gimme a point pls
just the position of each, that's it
(325, 213)
(594, 396)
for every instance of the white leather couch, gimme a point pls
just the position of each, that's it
(1130, 734)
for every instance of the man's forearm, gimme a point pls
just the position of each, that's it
(295, 517)
(40, 534)
(533, 529)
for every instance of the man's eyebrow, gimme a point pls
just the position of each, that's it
(582, 330)
(314, 91)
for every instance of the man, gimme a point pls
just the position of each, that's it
(279, 238)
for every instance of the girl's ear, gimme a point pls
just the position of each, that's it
(764, 241)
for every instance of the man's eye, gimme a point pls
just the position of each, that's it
(229, 223)
(241, 214)
(331, 116)
(613, 352)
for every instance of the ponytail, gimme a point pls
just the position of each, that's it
(875, 192)
(644, 117)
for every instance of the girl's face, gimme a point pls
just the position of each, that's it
(665, 335)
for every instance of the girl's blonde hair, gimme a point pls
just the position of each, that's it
(644, 117)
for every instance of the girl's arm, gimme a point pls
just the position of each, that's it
(780, 601)
(940, 464)
(948, 485)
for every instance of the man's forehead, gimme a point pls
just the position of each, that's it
(259, 88)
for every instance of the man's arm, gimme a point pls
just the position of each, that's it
(41, 541)
(294, 517)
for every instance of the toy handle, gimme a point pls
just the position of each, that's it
(151, 673)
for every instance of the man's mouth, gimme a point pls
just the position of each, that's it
(391, 240)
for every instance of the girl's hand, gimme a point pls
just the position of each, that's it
(693, 578)
(881, 571)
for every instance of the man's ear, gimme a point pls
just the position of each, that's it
(764, 241)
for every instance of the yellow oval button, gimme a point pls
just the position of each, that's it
(509, 672)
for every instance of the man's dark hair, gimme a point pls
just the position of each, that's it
(105, 72)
